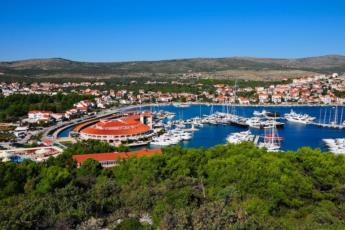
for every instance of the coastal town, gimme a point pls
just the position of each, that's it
(318, 89)
(39, 128)
(171, 115)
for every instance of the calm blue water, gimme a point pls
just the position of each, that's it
(65, 132)
(295, 135)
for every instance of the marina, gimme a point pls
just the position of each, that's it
(202, 125)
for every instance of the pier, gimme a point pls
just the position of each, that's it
(334, 126)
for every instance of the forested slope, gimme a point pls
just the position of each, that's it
(223, 187)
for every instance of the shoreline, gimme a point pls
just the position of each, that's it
(113, 110)
(235, 105)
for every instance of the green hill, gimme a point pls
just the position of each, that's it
(58, 66)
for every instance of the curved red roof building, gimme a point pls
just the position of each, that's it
(118, 130)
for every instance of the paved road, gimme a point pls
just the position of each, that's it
(62, 125)
(104, 113)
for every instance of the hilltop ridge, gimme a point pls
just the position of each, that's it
(246, 66)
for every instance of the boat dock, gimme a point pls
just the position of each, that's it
(334, 126)
(241, 122)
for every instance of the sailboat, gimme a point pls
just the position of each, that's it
(332, 123)
(271, 140)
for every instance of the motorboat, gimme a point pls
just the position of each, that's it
(172, 137)
(299, 118)
(267, 114)
(259, 114)
(181, 105)
(254, 122)
(336, 145)
(261, 123)
(236, 138)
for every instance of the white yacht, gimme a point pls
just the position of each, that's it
(171, 116)
(267, 114)
(181, 105)
(259, 114)
(172, 137)
(236, 138)
(299, 118)
(261, 123)
(164, 141)
(336, 145)
(254, 122)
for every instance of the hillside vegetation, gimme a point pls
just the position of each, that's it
(16, 106)
(61, 67)
(223, 187)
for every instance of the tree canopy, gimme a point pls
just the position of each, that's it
(226, 186)
(17, 105)
(93, 146)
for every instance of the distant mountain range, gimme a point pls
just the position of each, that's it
(57, 66)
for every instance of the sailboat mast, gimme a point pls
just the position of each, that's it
(324, 118)
(266, 140)
(273, 134)
(320, 117)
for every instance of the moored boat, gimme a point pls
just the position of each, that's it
(181, 105)
(236, 138)
(299, 118)
(271, 140)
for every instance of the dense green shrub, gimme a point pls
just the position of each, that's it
(226, 186)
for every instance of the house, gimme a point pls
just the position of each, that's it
(281, 89)
(58, 116)
(37, 116)
(277, 98)
(84, 105)
(220, 99)
(165, 98)
(121, 94)
(263, 98)
(71, 113)
(294, 94)
(327, 99)
(305, 92)
(259, 89)
(243, 101)
(110, 159)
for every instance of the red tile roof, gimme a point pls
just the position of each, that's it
(115, 155)
(121, 126)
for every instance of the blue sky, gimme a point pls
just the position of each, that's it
(152, 30)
